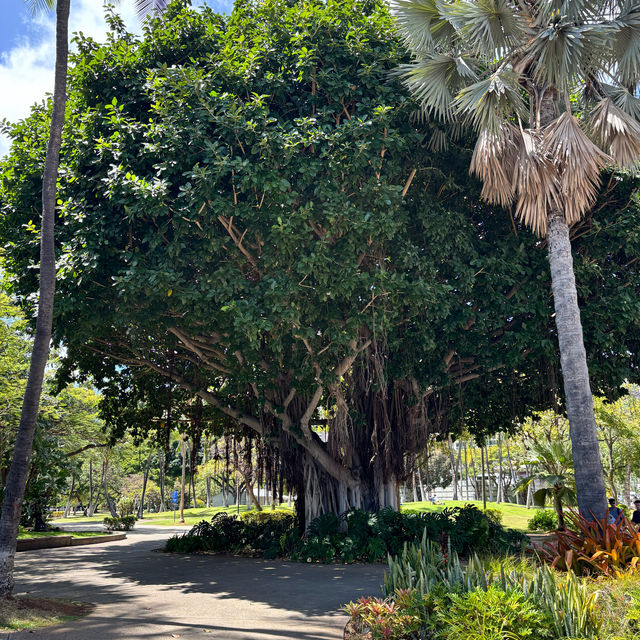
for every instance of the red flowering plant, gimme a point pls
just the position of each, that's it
(399, 618)
(593, 547)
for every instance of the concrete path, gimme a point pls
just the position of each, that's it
(142, 595)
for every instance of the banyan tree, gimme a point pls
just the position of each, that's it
(251, 214)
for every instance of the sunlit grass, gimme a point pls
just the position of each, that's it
(193, 516)
(513, 516)
(46, 534)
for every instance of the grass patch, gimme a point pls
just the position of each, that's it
(194, 516)
(47, 534)
(513, 516)
(17, 614)
(96, 519)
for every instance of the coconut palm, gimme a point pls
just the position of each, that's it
(549, 87)
(16, 480)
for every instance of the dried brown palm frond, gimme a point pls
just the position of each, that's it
(618, 132)
(494, 157)
(535, 180)
(578, 163)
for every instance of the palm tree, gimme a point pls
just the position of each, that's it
(549, 86)
(16, 480)
(554, 476)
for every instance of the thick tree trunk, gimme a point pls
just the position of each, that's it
(589, 478)
(324, 494)
(14, 490)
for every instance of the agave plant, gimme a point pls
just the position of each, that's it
(549, 87)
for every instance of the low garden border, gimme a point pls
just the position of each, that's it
(54, 542)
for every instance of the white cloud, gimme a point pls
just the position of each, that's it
(26, 70)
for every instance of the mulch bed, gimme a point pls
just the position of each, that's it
(59, 607)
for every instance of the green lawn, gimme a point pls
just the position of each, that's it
(193, 516)
(45, 534)
(513, 516)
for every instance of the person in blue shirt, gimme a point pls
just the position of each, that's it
(614, 511)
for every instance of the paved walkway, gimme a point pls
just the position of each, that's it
(142, 595)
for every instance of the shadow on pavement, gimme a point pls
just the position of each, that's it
(148, 588)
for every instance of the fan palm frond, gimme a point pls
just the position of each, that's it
(434, 80)
(626, 101)
(578, 11)
(625, 42)
(421, 23)
(488, 102)
(618, 132)
(579, 162)
(493, 160)
(438, 141)
(536, 183)
(559, 52)
(487, 26)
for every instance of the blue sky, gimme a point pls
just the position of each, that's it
(27, 49)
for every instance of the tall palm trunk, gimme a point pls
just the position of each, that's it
(573, 360)
(14, 491)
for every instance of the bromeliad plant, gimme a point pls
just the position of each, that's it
(550, 88)
(594, 547)
(398, 618)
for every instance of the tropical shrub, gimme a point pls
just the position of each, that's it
(126, 506)
(124, 523)
(543, 520)
(354, 535)
(593, 547)
(263, 530)
(568, 605)
(491, 614)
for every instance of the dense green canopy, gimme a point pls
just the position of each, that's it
(248, 211)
